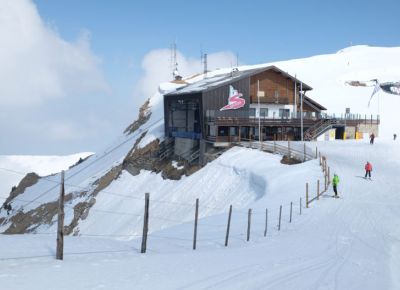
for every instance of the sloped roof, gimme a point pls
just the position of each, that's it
(223, 79)
(314, 104)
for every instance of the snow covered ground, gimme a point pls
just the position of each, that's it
(347, 243)
(23, 164)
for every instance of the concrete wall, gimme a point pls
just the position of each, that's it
(368, 128)
(183, 146)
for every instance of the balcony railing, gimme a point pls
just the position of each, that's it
(212, 115)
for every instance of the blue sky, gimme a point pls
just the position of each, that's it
(258, 31)
(122, 33)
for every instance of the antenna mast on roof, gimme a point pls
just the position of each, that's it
(205, 65)
(174, 62)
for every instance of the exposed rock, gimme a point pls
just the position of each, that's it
(144, 116)
(28, 222)
(29, 180)
(171, 172)
(289, 160)
(79, 161)
(81, 211)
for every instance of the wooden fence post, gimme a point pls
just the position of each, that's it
(228, 226)
(326, 184)
(145, 223)
(266, 222)
(60, 226)
(300, 205)
(307, 195)
(316, 152)
(329, 175)
(291, 206)
(274, 146)
(196, 216)
(248, 224)
(304, 157)
(318, 189)
(280, 216)
(288, 148)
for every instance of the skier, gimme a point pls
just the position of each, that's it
(394, 136)
(372, 137)
(368, 169)
(335, 182)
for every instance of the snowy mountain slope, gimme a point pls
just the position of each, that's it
(104, 171)
(42, 165)
(239, 177)
(347, 243)
(336, 244)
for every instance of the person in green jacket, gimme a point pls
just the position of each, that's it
(335, 182)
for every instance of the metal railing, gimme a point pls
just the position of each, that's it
(211, 115)
(291, 149)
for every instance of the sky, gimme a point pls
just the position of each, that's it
(75, 72)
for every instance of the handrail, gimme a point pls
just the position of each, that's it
(275, 147)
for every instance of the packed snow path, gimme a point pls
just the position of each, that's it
(347, 243)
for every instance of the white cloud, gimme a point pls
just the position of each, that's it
(37, 64)
(157, 68)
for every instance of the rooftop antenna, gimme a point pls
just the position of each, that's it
(237, 60)
(174, 62)
(205, 65)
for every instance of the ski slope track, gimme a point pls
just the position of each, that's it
(347, 243)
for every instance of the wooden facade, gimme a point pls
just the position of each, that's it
(271, 107)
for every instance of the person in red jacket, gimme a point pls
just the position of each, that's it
(368, 169)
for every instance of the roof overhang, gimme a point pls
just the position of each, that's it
(313, 104)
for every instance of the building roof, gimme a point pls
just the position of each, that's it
(210, 83)
(313, 104)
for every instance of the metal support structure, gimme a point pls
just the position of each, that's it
(259, 113)
(301, 112)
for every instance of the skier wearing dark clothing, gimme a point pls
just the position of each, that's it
(368, 169)
(394, 136)
(372, 137)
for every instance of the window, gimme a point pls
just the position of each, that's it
(252, 112)
(263, 112)
(284, 113)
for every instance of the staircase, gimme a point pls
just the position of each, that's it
(321, 127)
(191, 155)
(166, 149)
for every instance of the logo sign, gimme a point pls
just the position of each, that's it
(391, 88)
(234, 100)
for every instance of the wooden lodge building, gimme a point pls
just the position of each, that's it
(245, 105)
